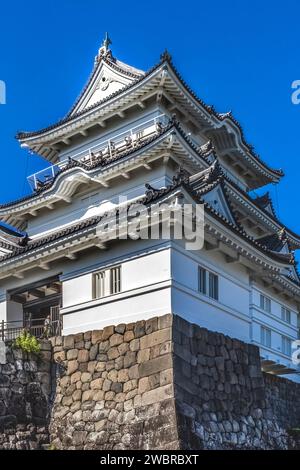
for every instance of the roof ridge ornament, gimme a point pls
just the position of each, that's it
(104, 50)
(166, 56)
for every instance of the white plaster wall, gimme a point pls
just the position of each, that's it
(97, 202)
(145, 293)
(121, 309)
(15, 313)
(233, 282)
(3, 310)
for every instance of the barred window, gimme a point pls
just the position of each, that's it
(115, 280)
(107, 282)
(286, 314)
(208, 283)
(265, 303)
(265, 336)
(286, 345)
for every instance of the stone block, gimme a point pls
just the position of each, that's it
(165, 321)
(113, 353)
(97, 384)
(133, 372)
(157, 395)
(166, 377)
(139, 328)
(134, 345)
(83, 355)
(143, 355)
(155, 365)
(77, 395)
(106, 385)
(97, 395)
(151, 325)
(72, 367)
(59, 356)
(107, 332)
(100, 366)
(116, 339)
(93, 352)
(144, 385)
(72, 354)
(128, 336)
(75, 377)
(86, 377)
(155, 338)
(69, 342)
(129, 359)
(123, 348)
(87, 396)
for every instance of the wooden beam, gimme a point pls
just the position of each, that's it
(141, 105)
(65, 198)
(231, 260)
(71, 256)
(147, 166)
(37, 293)
(211, 247)
(18, 275)
(44, 266)
(20, 299)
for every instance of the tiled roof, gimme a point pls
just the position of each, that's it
(154, 195)
(107, 161)
(165, 58)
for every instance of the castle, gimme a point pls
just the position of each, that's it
(145, 137)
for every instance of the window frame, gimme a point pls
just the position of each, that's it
(286, 314)
(265, 336)
(264, 302)
(105, 283)
(285, 340)
(208, 283)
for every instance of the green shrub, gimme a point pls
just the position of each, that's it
(27, 343)
(51, 446)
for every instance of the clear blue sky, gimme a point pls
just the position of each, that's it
(238, 55)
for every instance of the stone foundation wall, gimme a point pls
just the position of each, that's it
(223, 399)
(157, 384)
(117, 391)
(25, 394)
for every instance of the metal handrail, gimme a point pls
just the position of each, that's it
(10, 330)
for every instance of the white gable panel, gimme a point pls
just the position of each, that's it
(216, 199)
(105, 82)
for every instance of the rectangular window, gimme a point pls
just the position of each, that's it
(107, 282)
(286, 346)
(213, 286)
(286, 314)
(99, 285)
(265, 303)
(208, 283)
(115, 280)
(265, 336)
(202, 280)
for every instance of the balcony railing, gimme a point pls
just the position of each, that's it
(11, 330)
(102, 151)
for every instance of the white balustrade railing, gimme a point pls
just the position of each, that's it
(106, 149)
